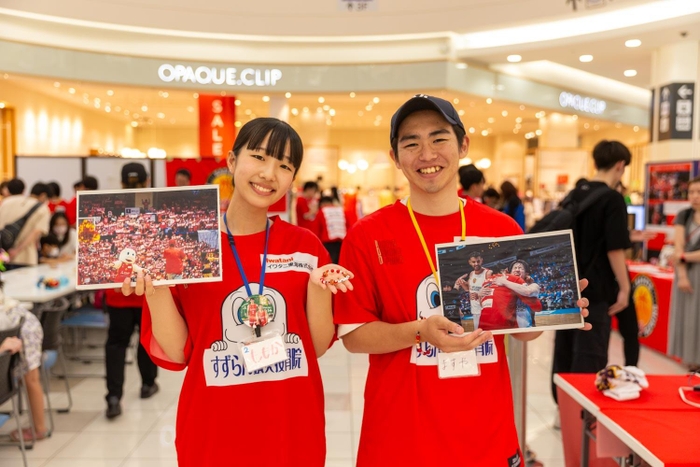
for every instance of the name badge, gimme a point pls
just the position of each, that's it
(458, 364)
(263, 352)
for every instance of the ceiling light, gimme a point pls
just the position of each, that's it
(295, 111)
(2, 105)
(352, 168)
(56, 84)
(461, 66)
(195, 95)
(126, 112)
(238, 124)
(165, 94)
(71, 90)
(110, 92)
(484, 163)
(326, 107)
(514, 58)
(319, 110)
(108, 109)
(484, 132)
(368, 108)
(585, 58)
(632, 43)
(491, 120)
(461, 112)
(332, 113)
(223, 93)
(5, 76)
(266, 98)
(574, 117)
(360, 113)
(172, 121)
(518, 126)
(522, 107)
(190, 109)
(134, 124)
(305, 110)
(375, 100)
(135, 115)
(586, 126)
(636, 129)
(362, 164)
(160, 115)
(97, 104)
(237, 102)
(352, 94)
(489, 100)
(472, 130)
(144, 108)
(630, 73)
(343, 164)
(515, 130)
(455, 101)
(321, 100)
(519, 120)
(248, 111)
(287, 95)
(538, 132)
(504, 113)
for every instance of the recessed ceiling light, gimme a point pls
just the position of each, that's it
(491, 120)
(455, 101)
(489, 100)
(288, 95)
(110, 92)
(630, 73)
(238, 124)
(134, 124)
(461, 66)
(519, 120)
(461, 112)
(514, 58)
(538, 132)
(295, 111)
(586, 126)
(190, 109)
(144, 108)
(632, 43)
(522, 107)
(636, 129)
(108, 109)
(223, 93)
(56, 84)
(352, 95)
(504, 113)
(585, 58)
(375, 100)
(321, 100)
(574, 117)
(160, 115)
(266, 98)
(71, 90)
(472, 130)
(484, 132)
(237, 102)
(195, 95)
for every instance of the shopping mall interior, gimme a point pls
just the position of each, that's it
(86, 86)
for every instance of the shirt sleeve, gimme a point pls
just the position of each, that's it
(361, 305)
(617, 237)
(152, 347)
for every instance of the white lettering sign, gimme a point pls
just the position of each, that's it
(582, 104)
(259, 77)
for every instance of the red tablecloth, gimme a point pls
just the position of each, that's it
(651, 292)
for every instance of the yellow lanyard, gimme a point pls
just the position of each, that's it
(422, 239)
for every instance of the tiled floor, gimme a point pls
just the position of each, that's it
(143, 436)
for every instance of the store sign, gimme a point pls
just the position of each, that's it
(252, 77)
(583, 104)
(357, 5)
(676, 111)
(217, 131)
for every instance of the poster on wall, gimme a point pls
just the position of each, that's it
(217, 120)
(666, 195)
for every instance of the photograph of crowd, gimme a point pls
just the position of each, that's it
(511, 284)
(170, 233)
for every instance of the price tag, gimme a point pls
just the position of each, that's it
(458, 364)
(262, 353)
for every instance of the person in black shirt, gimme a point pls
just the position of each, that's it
(601, 237)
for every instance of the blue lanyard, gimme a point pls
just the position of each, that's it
(238, 259)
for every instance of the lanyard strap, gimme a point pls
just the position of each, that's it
(238, 259)
(422, 239)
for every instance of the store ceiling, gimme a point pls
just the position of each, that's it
(160, 108)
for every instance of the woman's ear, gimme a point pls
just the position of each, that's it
(231, 161)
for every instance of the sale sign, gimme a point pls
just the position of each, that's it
(217, 130)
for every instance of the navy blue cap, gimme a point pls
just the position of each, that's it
(424, 102)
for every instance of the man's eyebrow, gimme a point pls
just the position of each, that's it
(432, 134)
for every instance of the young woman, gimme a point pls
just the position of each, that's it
(59, 226)
(512, 205)
(229, 412)
(684, 328)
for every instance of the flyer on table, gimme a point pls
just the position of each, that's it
(172, 234)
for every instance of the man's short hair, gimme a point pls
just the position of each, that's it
(608, 153)
(185, 173)
(16, 186)
(474, 254)
(40, 188)
(520, 261)
(49, 239)
(90, 183)
(491, 192)
(309, 185)
(469, 175)
(133, 175)
(55, 189)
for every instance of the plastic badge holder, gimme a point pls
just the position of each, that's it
(263, 351)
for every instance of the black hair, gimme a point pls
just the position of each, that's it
(55, 189)
(491, 192)
(309, 185)
(510, 196)
(90, 183)
(40, 188)
(16, 186)
(77, 184)
(469, 175)
(608, 153)
(334, 193)
(520, 261)
(52, 223)
(48, 239)
(460, 133)
(184, 172)
(474, 254)
(326, 199)
(253, 134)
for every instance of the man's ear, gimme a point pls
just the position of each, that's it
(394, 157)
(464, 147)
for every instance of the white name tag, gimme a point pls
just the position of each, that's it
(263, 353)
(458, 364)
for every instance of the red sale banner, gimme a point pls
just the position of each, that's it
(217, 130)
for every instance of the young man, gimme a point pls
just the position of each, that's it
(174, 260)
(472, 181)
(24, 252)
(411, 416)
(473, 282)
(183, 177)
(601, 237)
(307, 208)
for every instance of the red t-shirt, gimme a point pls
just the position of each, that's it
(72, 211)
(302, 210)
(116, 299)
(499, 308)
(173, 260)
(61, 206)
(411, 417)
(332, 224)
(222, 406)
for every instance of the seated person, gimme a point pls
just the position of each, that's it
(48, 249)
(32, 336)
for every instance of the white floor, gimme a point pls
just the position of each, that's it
(143, 435)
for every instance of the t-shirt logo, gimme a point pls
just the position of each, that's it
(299, 262)
(223, 362)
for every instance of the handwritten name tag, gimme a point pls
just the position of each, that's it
(263, 353)
(457, 364)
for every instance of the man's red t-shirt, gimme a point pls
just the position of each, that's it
(173, 260)
(412, 417)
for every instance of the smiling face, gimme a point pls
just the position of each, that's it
(475, 262)
(428, 152)
(518, 269)
(260, 179)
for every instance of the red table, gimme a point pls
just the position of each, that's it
(651, 292)
(658, 426)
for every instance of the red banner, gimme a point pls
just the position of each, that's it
(217, 130)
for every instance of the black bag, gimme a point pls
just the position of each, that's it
(563, 217)
(9, 234)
